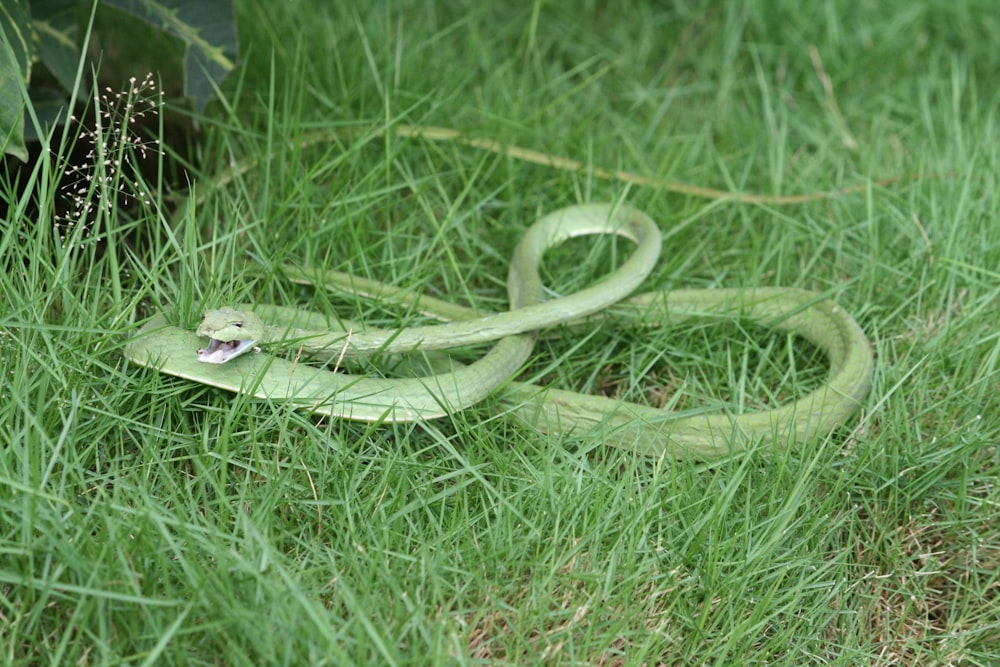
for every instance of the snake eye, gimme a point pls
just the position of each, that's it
(238, 325)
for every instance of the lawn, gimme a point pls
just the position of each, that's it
(146, 519)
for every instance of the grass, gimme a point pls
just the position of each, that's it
(146, 520)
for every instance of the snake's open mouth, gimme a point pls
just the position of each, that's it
(221, 351)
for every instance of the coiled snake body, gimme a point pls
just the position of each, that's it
(234, 336)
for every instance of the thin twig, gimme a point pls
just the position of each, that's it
(435, 133)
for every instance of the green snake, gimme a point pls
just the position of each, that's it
(225, 351)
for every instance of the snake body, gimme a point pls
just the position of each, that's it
(233, 332)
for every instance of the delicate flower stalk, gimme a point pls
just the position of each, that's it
(108, 170)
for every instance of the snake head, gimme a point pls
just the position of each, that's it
(230, 333)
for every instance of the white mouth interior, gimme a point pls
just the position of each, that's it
(221, 351)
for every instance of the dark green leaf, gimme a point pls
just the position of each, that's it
(16, 53)
(56, 25)
(208, 30)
